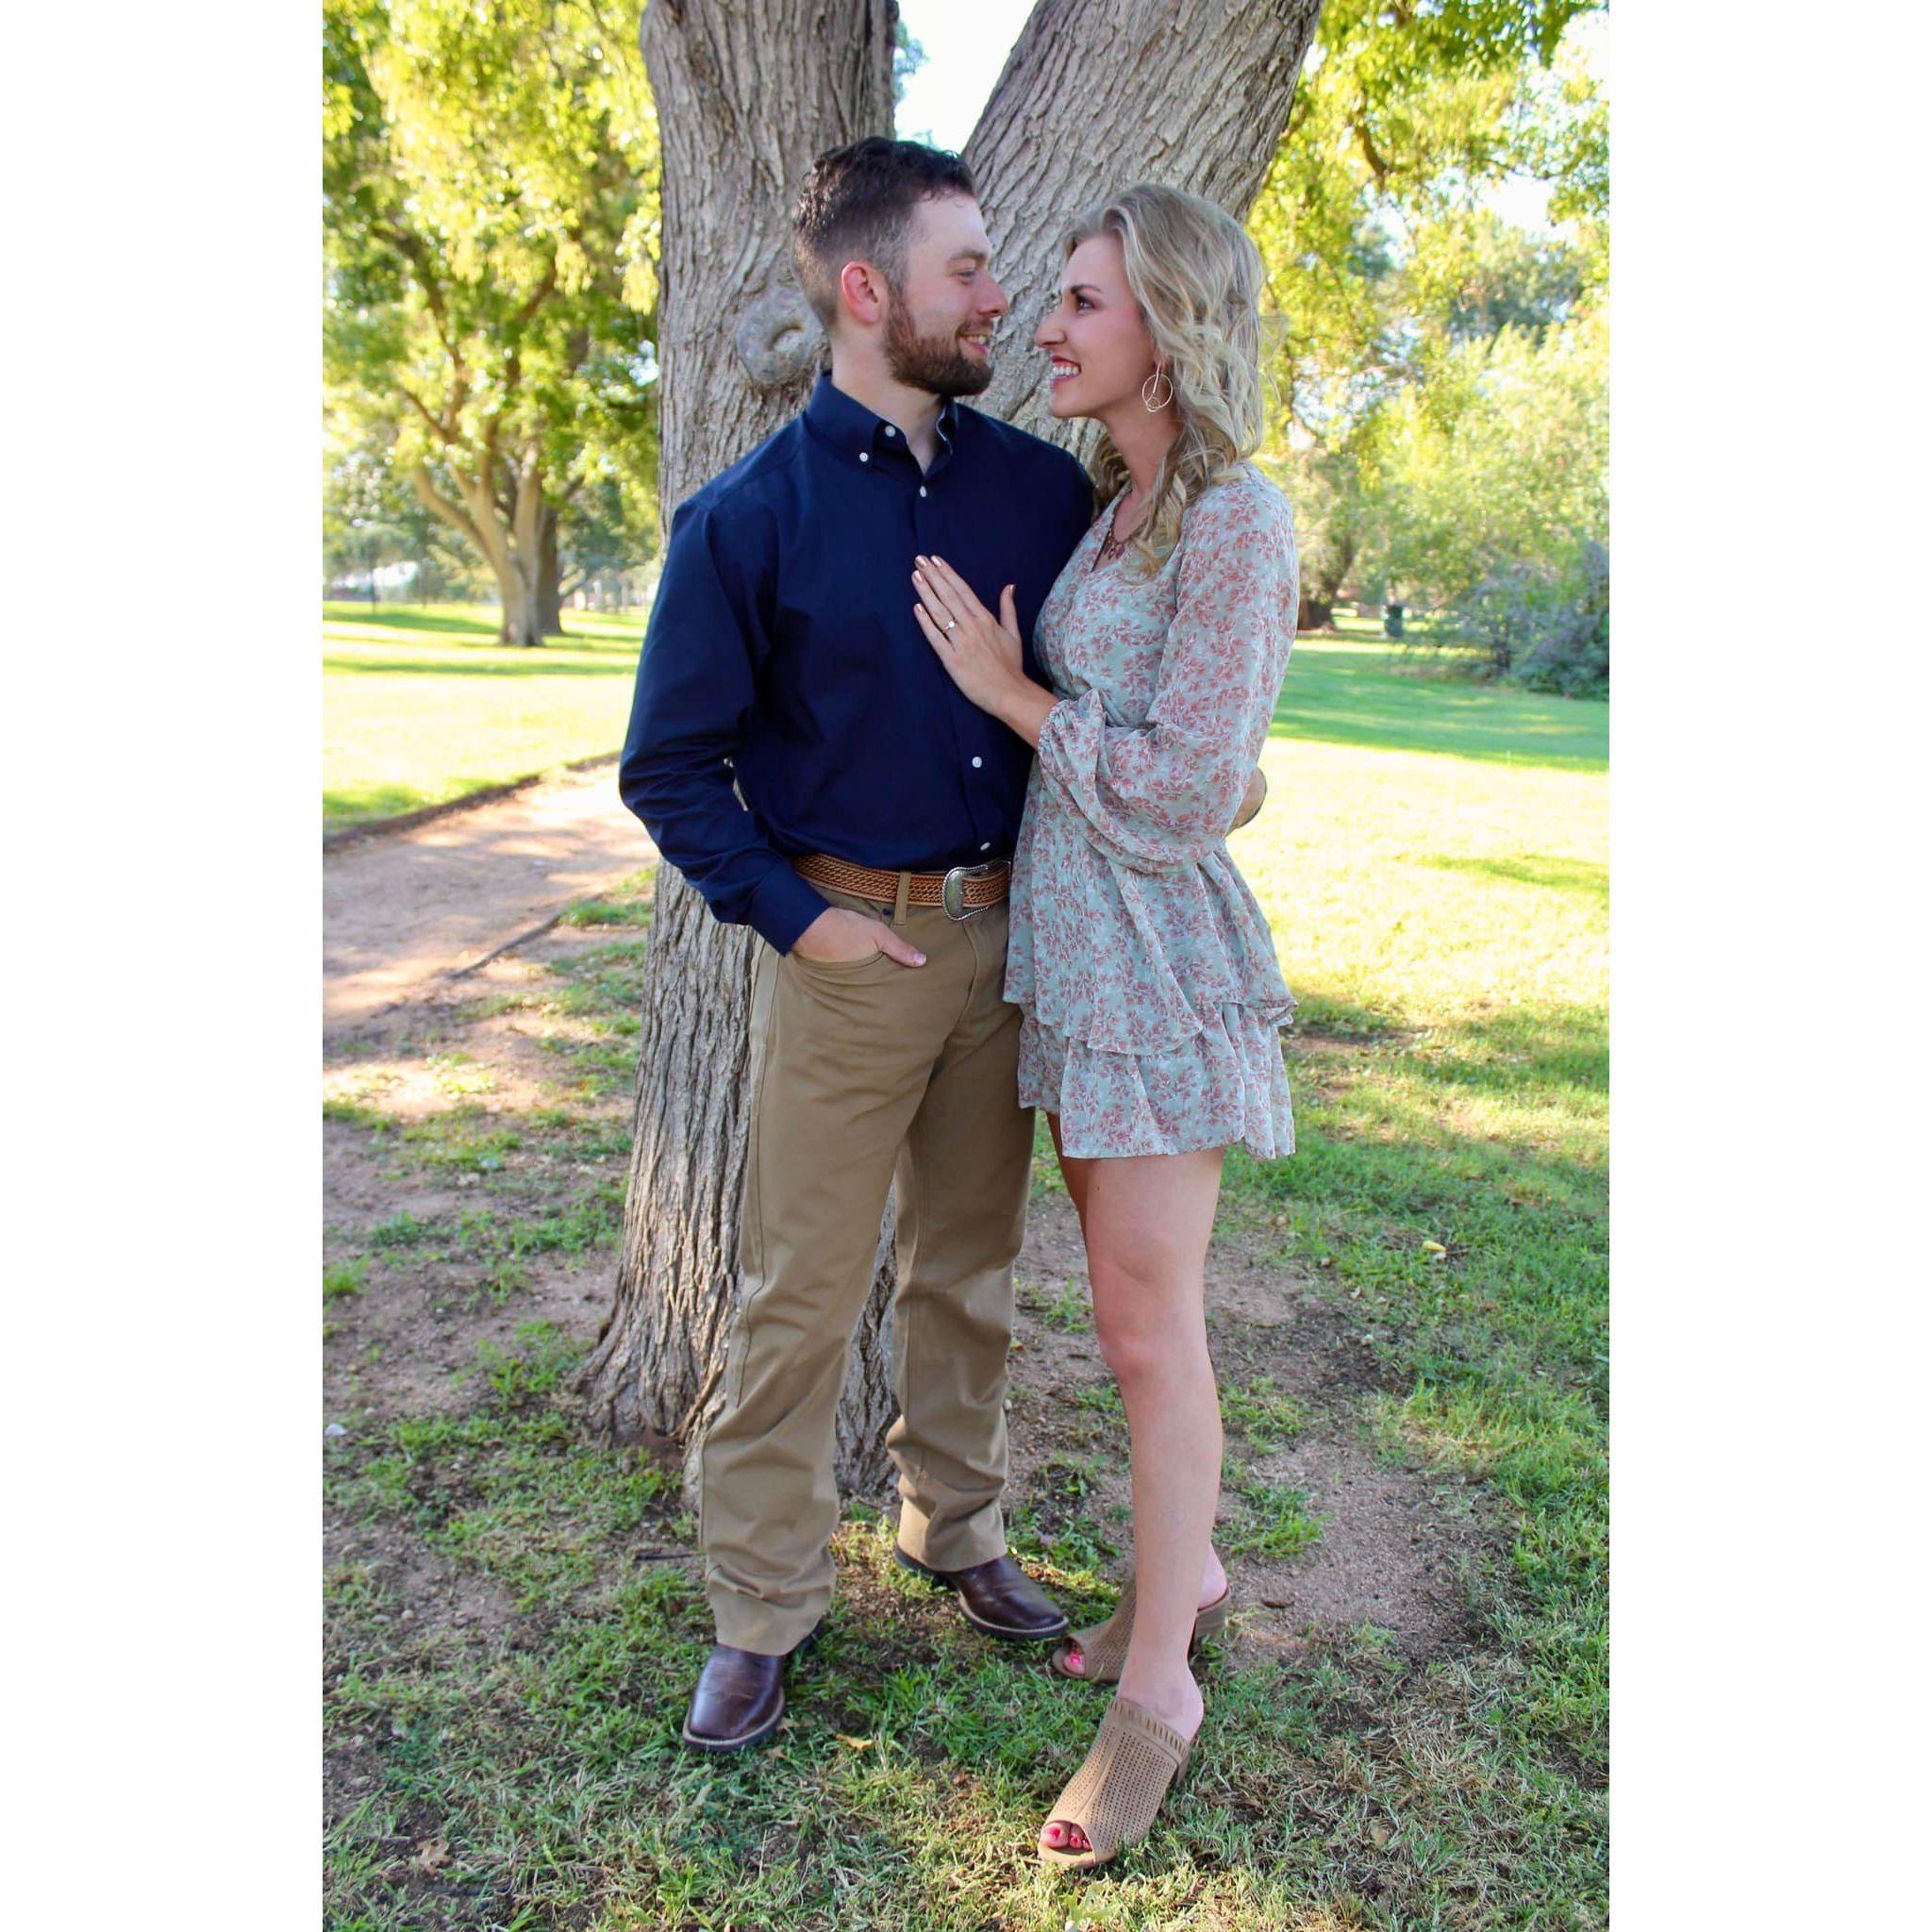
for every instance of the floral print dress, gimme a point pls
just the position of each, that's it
(1151, 998)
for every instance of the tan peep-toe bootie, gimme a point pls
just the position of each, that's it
(1115, 1796)
(1103, 1647)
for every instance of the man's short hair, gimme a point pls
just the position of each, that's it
(855, 206)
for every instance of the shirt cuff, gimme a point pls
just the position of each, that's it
(781, 907)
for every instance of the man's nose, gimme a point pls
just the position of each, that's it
(994, 301)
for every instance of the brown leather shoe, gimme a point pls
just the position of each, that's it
(998, 1597)
(740, 1697)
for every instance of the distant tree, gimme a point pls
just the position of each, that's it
(489, 192)
(1382, 255)
(1336, 522)
(605, 530)
(1472, 275)
(1498, 463)
(371, 518)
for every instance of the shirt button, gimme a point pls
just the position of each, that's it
(889, 430)
(865, 456)
(922, 489)
(986, 845)
(976, 764)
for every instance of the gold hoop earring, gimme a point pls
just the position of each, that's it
(1149, 390)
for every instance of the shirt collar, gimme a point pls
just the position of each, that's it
(847, 424)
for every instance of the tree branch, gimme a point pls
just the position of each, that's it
(439, 505)
(543, 292)
(410, 247)
(1366, 142)
(443, 434)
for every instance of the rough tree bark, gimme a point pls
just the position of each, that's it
(1099, 93)
(746, 98)
(1096, 93)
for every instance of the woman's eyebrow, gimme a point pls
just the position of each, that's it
(1083, 288)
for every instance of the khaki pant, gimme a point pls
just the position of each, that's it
(868, 1076)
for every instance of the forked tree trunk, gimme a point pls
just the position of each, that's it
(1096, 94)
(512, 545)
(1099, 95)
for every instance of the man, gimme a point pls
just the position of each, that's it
(784, 668)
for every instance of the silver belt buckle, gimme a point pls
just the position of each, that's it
(953, 887)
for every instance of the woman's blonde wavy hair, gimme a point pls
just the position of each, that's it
(1197, 278)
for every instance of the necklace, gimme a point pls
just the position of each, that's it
(1110, 545)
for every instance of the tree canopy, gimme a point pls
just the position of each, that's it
(489, 184)
(1414, 326)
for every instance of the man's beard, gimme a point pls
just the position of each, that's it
(935, 363)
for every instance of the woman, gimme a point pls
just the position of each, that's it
(1150, 993)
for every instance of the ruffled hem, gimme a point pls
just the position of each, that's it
(1226, 1085)
(1131, 963)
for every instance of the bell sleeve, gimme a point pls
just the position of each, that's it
(1165, 794)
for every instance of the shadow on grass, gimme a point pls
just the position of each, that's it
(412, 618)
(364, 803)
(1340, 693)
(340, 808)
(1587, 878)
(622, 663)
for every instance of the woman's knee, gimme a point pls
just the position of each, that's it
(1146, 1328)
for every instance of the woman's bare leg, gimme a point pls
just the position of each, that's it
(1148, 1221)
(1077, 1175)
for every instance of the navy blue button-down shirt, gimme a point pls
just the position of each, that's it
(783, 653)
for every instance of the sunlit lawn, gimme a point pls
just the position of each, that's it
(1432, 858)
(1441, 903)
(422, 705)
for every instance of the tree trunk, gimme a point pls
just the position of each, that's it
(1099, 95)
(512, 546)
(746, 100)
(1315, 613)
(549, 577)
(517, 590)
(1096, 94)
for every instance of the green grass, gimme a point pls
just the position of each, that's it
(344, 1277)
(1443, 918)
(1267, 1416)
(1356, 689)
(1432, 860)
(422, 705)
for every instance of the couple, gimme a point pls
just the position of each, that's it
(966, 757)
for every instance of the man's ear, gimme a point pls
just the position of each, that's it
(862, 292)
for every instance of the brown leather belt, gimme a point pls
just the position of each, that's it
(965, 889)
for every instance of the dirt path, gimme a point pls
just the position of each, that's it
(403, 911)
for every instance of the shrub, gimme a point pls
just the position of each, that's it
(1540, 627)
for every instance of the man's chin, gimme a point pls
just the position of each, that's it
(937, 372)
(969, 379)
